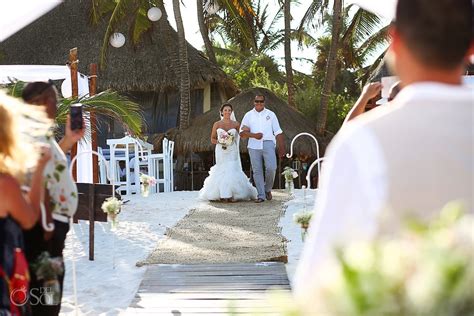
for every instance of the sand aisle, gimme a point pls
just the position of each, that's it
(225, 233)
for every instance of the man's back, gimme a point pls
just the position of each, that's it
(426, 138)
(405, 160)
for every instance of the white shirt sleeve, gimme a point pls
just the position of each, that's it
(353, 190)
(276, 125)
(245, 122)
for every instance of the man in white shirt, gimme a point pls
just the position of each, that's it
(261, 127)
(408, 159)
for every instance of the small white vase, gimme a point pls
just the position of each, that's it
(145, 190)
(289, 186)
(112, 218)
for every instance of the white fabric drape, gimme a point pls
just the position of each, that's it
(15, 15)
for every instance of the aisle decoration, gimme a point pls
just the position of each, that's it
(289, 174)
(112, 207)
(303, 219)
(146, 182)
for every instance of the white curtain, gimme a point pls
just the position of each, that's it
(15, 15)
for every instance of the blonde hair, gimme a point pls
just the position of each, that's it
(20, 127)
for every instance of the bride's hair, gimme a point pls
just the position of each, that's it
(224, 105)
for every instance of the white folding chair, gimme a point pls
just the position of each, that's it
(170, 168)
(102, 167)
(159, 169)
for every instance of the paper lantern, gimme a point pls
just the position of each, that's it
(117, 40)
(154, 14)
(82, 85)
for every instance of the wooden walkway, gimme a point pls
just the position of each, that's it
(208, 289)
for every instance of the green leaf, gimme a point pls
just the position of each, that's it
(60, 168)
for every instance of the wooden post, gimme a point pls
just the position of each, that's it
(75, 92)
(91, 220)
(93, 91)
(192, 172)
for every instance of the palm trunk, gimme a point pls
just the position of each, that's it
(205, 32)
(330, 69)
(184, 86)
(288, 67)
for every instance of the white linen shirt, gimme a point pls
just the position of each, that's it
(354, 185)
(264, 122)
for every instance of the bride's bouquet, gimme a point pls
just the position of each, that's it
(225, 139)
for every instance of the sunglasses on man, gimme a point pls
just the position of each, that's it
(259, 101)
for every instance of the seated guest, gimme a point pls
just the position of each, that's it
(408, 159)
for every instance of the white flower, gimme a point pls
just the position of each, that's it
(360, 255)
(111, 205)
(224, 138)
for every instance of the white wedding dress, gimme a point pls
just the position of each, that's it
(226, 178)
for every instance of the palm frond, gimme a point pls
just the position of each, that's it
(140, 24)
(241, 13)
(304, 38)
(372, 68)
(374, 42)
(120, 10)
(99, 8)
(310, 19)
(109, 104)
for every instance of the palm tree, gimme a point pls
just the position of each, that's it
(287, 41)
(331, 68)
(205, 32)
(185, 87)
(352, 41)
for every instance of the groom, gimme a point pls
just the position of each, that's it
(260, 126)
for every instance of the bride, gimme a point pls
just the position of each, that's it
(226, 181)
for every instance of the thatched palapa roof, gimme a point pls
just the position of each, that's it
(196, 138)
(150, 66)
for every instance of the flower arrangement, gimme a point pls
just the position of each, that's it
(225, 139)
(427, 270)
(112, 207)
(146, 182)
(48, 270)
(289, 175)
(303, 219)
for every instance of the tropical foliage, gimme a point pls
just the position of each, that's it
(108, 104)
(119, 11)
(349, 40)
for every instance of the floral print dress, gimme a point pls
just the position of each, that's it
(59, 182)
